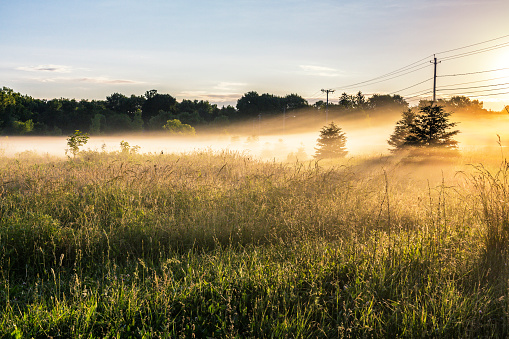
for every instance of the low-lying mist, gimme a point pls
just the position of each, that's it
(274, 138)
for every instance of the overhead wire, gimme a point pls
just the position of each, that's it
(418, 65)
(417, 84)
(472, 82)
(476, 44)
(471, 87)
(470, 73)
(480, 91)
(381, 78)
(487, 49)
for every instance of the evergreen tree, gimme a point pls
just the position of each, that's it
(331, 143)
(402, 130)
(429, 128)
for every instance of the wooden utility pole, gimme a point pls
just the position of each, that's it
(434, 78)
(327, 105)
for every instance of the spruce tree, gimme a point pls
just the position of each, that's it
(429, 128)
(401, 131)
(331, 143)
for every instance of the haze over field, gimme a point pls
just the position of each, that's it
(363, 138)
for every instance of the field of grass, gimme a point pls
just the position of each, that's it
(215, 244)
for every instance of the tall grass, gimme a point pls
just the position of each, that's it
(220, 245)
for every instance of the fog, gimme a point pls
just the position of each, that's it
(272, 138)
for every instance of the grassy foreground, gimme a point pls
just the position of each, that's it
(220, 245)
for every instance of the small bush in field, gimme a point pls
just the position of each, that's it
(75, 141)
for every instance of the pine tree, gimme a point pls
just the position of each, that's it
(429, 128)
(331, 143)
(402, 130)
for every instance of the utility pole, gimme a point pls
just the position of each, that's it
(327, 106)
(434, 62)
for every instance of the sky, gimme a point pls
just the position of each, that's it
(219, 50)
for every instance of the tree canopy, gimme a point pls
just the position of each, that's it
(430, 127)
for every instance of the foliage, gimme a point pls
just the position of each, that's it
(157, 102)
(122, 113)
(23, 127)
(428, 128)
(251, 104)
(97, 123)
(176, 127)
(331, 143)
(128, 149)
(386, 101)
(75, 141)
(402, 130)
(431, 128)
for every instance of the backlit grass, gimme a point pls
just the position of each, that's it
(220, 245)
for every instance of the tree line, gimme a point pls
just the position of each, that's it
(23, 115)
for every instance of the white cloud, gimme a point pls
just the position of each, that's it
(224, 85)
(320, 71)
(98, 80)
(107, 81)
(46, 68)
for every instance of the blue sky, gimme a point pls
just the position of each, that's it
(219, 50)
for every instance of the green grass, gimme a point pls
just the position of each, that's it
(219, 245)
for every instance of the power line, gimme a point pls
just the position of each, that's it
(487, 49)
(471, 87)
(413, 65)
(410, 96)
(473, 82)
(486, 95)
(481, 91)
(399, 70)
(417, 84)
(418, 65)
(470, 73)
(479, 43)
(394, 77)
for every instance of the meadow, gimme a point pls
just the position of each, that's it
(220, 245)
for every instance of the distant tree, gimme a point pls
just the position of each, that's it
(176, 127)
(346, 101)
(23, 127)
(429, 128)
(294, 101)
(320, 104)
(331, 143)
(228, 111)
(386, 101)
(97, 123)
(464, 102)
(401, 131)
(155, 103)
(126, 105)
(359, 100)
(248, 104)
(251, 104)
(157, 122)
(75, 141)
